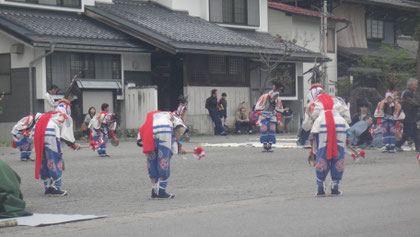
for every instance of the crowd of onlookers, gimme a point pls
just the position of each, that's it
(245, 122)
(392, 125)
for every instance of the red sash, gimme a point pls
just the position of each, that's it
(39, 136)
(146, 133)
(328, 103)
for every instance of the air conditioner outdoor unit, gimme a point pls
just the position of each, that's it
(17, 49)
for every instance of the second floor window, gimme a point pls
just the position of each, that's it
(374, 29)
(238, 12)
(59, 3)
(5, 78)
(234, 11)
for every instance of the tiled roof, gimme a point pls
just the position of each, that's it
(397, 3)
(182, 32)
(40, 27)
(300, 11)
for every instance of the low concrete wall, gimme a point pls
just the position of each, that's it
(5, 129)
(138, 102)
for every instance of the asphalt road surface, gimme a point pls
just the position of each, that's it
(233, 191)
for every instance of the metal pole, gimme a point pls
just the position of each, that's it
(325, 45)
(31, 64)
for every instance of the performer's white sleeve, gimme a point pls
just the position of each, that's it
(307, 123)
(67, 130)
(344, 112)
(378, 112)
(317, 110)
(94, 123)
(174, 148)
(15, 130)
(342, 109)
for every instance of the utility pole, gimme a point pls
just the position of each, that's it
(324, 44)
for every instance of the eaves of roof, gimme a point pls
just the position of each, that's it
(302, 11)
(400, 4)
(246, 52)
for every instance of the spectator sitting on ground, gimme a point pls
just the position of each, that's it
(242, 121)
(364, 112)
(360, 132)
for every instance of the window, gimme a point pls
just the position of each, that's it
(5, 79)
(62, 67)
(374, 29)
(216, 70)
(239, 12)
(60, 3)
(217, 65)
(82, 65)
(331, 41)
(234, 11)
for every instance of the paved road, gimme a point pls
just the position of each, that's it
(230, 192)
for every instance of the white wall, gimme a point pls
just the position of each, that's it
(280, 24)
(139, 102)
(5, 129)
(18, 60)
(200, 8)
(306, 30)
(96, 98)
(23, 60)
(198, 116)
(263, 16)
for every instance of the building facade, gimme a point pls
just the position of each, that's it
(182, 48)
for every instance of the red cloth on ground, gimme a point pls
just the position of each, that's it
(146, 133)
(328, 103)
(39, 136)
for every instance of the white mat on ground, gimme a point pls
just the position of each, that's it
(251, 144)
(51, 219)
(287, 139)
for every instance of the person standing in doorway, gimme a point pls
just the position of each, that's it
(211, 106)
(222, 105)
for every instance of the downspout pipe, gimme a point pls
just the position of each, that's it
(343, 28)
(31, 64)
